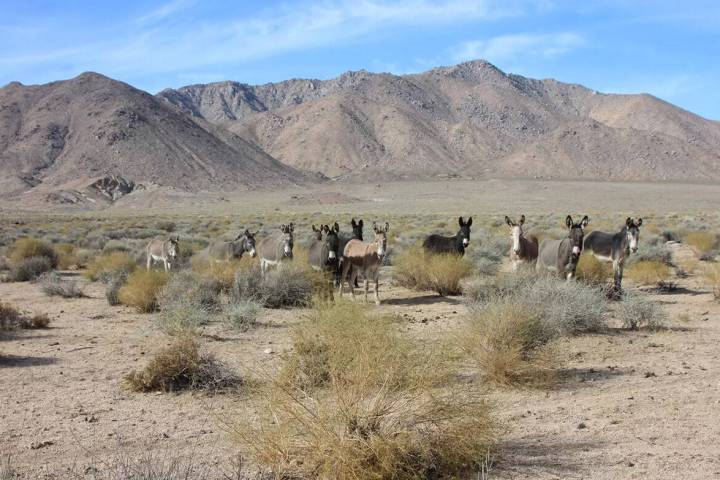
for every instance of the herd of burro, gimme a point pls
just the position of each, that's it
(347, 256)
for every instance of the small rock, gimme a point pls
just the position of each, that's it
(268, 351)
(581, 425)
(650, 374)
(43, 444)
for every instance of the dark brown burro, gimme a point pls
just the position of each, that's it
(456, 244)
(562, 255)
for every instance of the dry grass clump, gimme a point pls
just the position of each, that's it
(25, 248)
(180, 366)
(107, 266)
(372, 404)
(703, 242)
(221, 272)
(649, 272)
(189, 287)
(52, 284)
(711, 274)
(242, 315)
(507, 342)
(593, 271)
(141, 290)
(11, 318)
(288, 285)
(419, 270)
(67, 256)
(638, 311)
(30, 268)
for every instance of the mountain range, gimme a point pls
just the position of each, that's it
(468, 120)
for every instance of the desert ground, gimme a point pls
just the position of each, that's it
(626, 403)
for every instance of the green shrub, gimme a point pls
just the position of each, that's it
(242, 315)
(285, 286)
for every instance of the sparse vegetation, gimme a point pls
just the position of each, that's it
(11, 318)
(54, 285)
(30, 268)
(637, 311)
(189, 288)
(593, 271)
(26, 248)
(418, 270)
(105, 267)
(703, 242)
(344, 418)
(285, 286)
(141, 290)
(242, 315)
(711, 273)
(180, 366)
(507, 341)
(650, 272)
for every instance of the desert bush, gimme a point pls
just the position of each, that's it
(651, 272)
(242, 315)
(711, 274)
(345, 418)
(568, 307)
(66, 256)
(11, 318)
(703, 242)
(4, 264)
(288, 285)
(419, 270)
(166, 225)
(107, 266)
(141, 290)
(636, 310)
(25, 248)
(180, 366)
(113, 289)
(486, 253)
(188, 287)
(507, 341)
(652, 250)
(52, 284)
(593, 271)
(116, 246)
(30, 268)
(183, 317)
(221, 272)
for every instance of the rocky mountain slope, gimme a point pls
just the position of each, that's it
(70, 133)
(471, 119)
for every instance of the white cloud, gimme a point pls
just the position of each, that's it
(510, 47)
(667, 86)
(164, 11)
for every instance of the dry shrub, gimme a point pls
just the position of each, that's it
(222, 272)
(189, 287)
(711, 273)
(107, 266)
(11, 319)
(593, 271)
(508, 343)
(650, 272)
(25, 248)
(141, 290)
(52, 284)
(180, 366)
(66, 256)
(242, 315)
(638, 311)
(30, 268)
(384, 408)
(419, 270)
(288, 285)
(704, 242)
(113, 289)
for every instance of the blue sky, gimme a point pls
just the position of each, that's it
(668, 48)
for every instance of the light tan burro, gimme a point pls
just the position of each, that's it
(366, 259)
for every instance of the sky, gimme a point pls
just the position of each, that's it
(670, 49)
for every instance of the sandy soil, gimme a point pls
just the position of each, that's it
(631, 404)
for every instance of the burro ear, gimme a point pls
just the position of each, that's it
(639, 222)
(469, 221)
(629, 222)
(508, 221)
(585, 221)
(246, 232)
(568, 221)
(326, 229)
(283, 227)
(336, 227)
(461, 222)
(291, 227)
(360, 223)
(387, 227)
(522, 219)
(374, 227)
(313, 228)
(352, 223)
